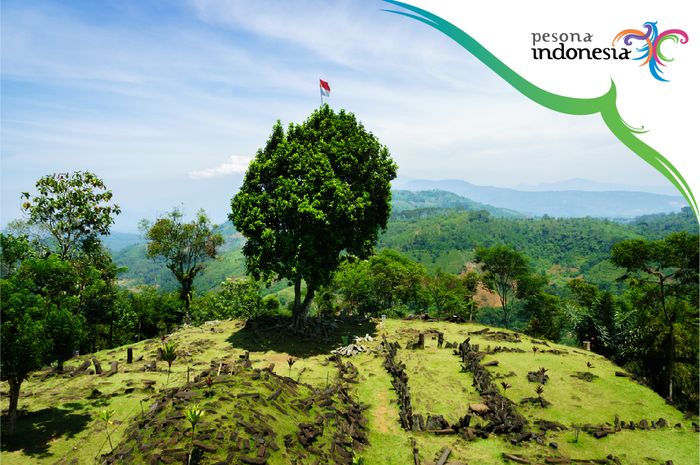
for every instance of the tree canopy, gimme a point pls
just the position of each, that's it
(503, 268)
(313, 194)
(664, 274)
(185, 248)
(73, 207)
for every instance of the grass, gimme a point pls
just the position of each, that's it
(59, 420)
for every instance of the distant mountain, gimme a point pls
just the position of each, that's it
(118, 241)
(433, 201)
(571, 203)
(579, 184)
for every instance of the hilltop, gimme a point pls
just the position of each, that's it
(324, 410)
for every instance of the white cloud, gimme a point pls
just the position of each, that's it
(235, 164)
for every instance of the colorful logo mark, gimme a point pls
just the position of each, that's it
(650, 51)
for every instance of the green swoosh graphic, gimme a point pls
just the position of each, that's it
(606, 104)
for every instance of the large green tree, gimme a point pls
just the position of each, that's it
(665, 273)
(313, 194)
(24, 344)
(503, 268)
(75, 208)
(185, 247)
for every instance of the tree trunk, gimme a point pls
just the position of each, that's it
(297, 297)
(671, 361)
(506, 318)
(94, 338)
(14, 399)
(301, 309)
(59, 365)
(111, 327)
(308, 298)
(186, 296)
(671, 345)
(187, 311)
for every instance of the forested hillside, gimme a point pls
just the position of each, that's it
(440, 230)
(411, 204)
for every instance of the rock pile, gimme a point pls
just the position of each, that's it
(603, 430)
(399, 379)
(350, 350)
(540, 376)
(240, 422)
(502, 416)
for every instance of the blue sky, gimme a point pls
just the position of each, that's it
(167, 101)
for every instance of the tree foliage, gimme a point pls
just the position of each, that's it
(235, 298)
(451, 294)
(184, 247)
(503, 267)
(74, 208)
(664, 273)
(22, 341)
(317, 192)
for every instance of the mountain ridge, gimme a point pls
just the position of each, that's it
(567, 203)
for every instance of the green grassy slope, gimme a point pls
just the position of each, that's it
(59, 422)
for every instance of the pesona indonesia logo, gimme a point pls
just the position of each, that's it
(580, 46)
(649, 47)
(572, 46)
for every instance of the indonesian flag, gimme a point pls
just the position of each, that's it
(325, 88)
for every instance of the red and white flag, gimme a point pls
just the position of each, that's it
(325, 88)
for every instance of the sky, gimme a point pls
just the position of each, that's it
(167, 101)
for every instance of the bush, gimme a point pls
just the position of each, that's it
(237, 298)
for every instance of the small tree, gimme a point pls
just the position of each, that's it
(320, 190)
(209, 381)
(545, 320)
(503, 267)
(193, 414)
(74, 207)
(451, 294)
(106, 416)
(185, 248)
(168, 353)
(539, 390)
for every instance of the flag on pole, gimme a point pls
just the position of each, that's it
(325, 88)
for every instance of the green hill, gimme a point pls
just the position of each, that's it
(441, 234)
(327, 411)
(410, 204)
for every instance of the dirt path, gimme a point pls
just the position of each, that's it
(382, 412)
